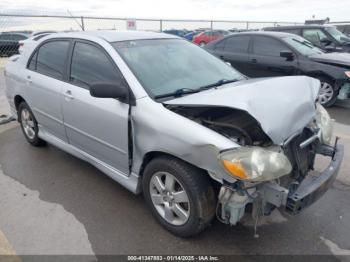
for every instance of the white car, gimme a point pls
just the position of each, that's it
(35, 36)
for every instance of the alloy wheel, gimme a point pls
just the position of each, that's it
(326, 93)
(28, 123)
(169, 198)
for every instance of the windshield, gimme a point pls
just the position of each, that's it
(337, 35)
(166, 65)
(303, 46)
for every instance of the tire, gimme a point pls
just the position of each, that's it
(201, 200)
(29, 125)
(201, 44)
(328, 95)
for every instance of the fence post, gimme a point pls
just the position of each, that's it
(82, 23)
(161, 25)
(247, 25)
(211, 25)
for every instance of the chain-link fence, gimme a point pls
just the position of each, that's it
(14, 29)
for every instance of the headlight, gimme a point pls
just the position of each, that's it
(324, 122)
(255, 164)
(347, 73)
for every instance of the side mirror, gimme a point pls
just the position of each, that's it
(109, 90)
(288, 55)
(326, 42)
(330, 48)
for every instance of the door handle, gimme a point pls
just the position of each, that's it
(222, 57)
(68, 95)
(29, 80)
(254, 61)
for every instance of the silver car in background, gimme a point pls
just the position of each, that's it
(164, 117)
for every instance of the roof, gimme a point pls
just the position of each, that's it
(268, 33)
(297, 26)
(115, 36)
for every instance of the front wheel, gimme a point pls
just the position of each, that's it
(201, 44)
(29, 125)
(327, 95)
(179, 195)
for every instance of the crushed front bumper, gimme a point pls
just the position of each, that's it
(313, 187)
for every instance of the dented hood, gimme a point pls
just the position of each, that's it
(283, 105)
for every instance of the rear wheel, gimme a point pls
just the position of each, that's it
(29, 125)
(327, 95)
(179, 195)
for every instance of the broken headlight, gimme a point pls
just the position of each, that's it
(324, 122)
(255, 164)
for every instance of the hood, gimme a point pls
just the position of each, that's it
(283, 105)
(332, 58)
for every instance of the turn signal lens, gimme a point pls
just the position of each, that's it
(235, 169)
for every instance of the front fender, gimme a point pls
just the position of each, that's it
(156, 128)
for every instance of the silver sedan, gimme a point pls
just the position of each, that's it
(164, 117)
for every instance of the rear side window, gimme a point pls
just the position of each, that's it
(267, 46)
(50, 59)
(220, 45)
(90, 64)
(237, 44)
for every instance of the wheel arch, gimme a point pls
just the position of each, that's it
(18, 99)
(318, 74)
(149, 156)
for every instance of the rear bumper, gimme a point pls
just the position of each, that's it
(313, 187)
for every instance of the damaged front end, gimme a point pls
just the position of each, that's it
(268, 176)
(281, 178)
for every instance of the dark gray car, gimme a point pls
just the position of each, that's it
(9, 42)
(266, 54)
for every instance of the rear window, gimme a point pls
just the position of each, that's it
(50, 59)
(237, 44)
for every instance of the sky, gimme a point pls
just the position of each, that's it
(253, 10)
(262, 10)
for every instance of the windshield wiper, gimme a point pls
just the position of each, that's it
(218, 83)
(178, 92)
(185, 91)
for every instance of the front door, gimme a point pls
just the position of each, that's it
(265, 59)
(97, 126)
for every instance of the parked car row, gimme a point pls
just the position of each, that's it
(200, 37)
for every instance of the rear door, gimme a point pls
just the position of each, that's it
(45, 76)
(97, 126)
(235, 51)
(265, 59)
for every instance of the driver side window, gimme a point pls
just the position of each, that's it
(90, 65)
(316, 36)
